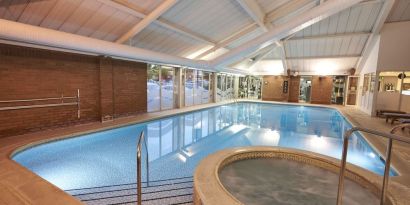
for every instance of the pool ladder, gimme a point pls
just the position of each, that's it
(139, 168)
(391, 136)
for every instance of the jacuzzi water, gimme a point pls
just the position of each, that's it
(176, 144)
(279, 181)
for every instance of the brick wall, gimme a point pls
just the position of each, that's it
(130, 87)
(321, 92)
(27, 73)
(294, 87)
(273, 88)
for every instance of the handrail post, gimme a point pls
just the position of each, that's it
(391, 137)
(386, 172)
(342, 168)
(139, 185)
(147, 162)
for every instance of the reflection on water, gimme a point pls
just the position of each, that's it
(177, 144)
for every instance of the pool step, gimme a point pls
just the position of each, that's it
(172, 191)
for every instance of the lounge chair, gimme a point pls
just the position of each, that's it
(395, 116)
(404, 121)
(380, 113)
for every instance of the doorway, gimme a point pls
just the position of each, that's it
(305, 88)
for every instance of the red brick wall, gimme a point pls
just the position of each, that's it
(106, 89)
(294, 87)
(27, 73)
(130, 87)
(321, 92)
(273, 88)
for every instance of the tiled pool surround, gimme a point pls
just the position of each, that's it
(21, 182)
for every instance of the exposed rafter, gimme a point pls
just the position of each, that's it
(322, 57)
(384, 13)
(254, 11)
(262, 55)
(229, 39)
(131, 9)
(289, 10)
(330, 36)
(283, 56)
(281, 31)
(156, 13)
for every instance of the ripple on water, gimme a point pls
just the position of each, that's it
(279, 181)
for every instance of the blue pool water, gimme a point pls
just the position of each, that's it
(177, 144)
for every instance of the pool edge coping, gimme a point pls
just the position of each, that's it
(29, 143)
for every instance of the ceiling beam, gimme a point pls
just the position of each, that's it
(229, 39)
(156, 13)
(384, 13)
(330, 36)
(322, 57)
(289, 10)
(283, 56)
(131, 9)
(261, 56)
(254, 11)
(281, 31)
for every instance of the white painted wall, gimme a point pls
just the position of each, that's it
(394, 52)
(394, 55)
(365, 102)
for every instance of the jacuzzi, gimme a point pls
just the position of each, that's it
(273, 175)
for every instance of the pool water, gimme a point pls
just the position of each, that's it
(176, 144)
(279, 181)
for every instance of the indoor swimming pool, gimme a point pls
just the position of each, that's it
(176, 144)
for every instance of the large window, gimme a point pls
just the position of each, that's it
(160, 88)
(250, 87)
(225, 87)
(167, 88)
(198, 87)
(206, 87)
(153, 88)
(189, 87)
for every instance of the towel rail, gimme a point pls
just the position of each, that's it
(62, 103)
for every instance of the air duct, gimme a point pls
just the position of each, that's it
(23, 33)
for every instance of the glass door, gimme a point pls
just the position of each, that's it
(189, 87)
(205, 86)
(167, 87)
(153, 88)
(305, 88)
(198, 87)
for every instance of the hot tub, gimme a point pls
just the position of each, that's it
(271, 175)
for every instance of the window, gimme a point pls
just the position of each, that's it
(189, 87)
(160, 88)
(153, 88)
(167, 88)
(198, 87)
(205, 87)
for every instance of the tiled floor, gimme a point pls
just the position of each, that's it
(20, 186)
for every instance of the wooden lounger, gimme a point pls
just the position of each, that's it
(380, 113)
(404, 120)
(395, 116)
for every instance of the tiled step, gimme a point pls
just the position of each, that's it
(172, 191)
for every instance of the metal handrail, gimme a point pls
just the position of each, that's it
(390, 136)
(139, 169)
(61, 98)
